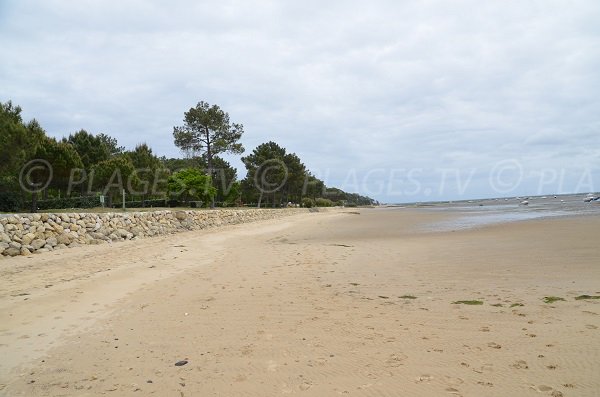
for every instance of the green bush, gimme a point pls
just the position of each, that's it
(10, 202)
(307, 202)
(323, 202)
(70, 202)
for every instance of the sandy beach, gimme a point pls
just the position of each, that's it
(355, 302)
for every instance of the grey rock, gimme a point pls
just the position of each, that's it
(51, 241)
(28, 238)
(12, 251)
(64, 239)
(97, 236)
(38, 243)
(5, 238)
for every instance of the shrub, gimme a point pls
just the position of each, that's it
(10, 202)
(69, 202)
(323, 202)
(307, 202)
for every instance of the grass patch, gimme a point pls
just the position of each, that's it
(473, 302)
(552, 299)
(517, 305)
(497, 305)
(407, 297)
(580, 297)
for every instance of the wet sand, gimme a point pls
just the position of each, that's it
(358, 302)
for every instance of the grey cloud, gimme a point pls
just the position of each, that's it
(345, 85)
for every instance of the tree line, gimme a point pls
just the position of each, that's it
(36, 168)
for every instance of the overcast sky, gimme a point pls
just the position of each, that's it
(404, 101)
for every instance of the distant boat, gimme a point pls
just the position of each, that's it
(524, 202)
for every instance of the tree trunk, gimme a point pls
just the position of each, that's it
(209, 163)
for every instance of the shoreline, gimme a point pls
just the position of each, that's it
(350, 302)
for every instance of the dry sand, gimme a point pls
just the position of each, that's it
(310, 305)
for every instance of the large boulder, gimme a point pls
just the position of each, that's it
(97, 236)
(63, 239)
(12, 251)
(28, 238)
(38, 243)
(5, 238)
(181, 215)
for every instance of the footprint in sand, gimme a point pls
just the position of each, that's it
(424, 378)
(520, 364)
(453, 381)
(452, 390)
(395, 360)
(494, 345)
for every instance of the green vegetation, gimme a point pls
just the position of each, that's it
(85, 166)
(471, 302)
(552, 299)
(581, 297)
(190, 184)
(207, 131)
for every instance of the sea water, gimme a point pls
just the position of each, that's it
(478, 213)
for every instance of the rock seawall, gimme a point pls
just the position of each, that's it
(24, 234)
